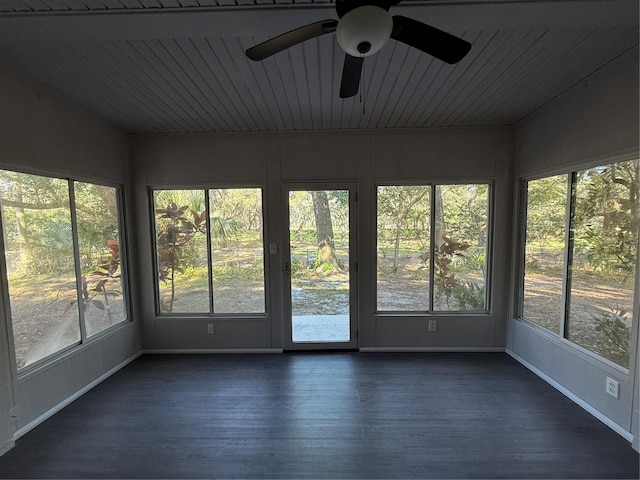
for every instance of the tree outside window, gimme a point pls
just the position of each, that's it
(51, 309)
(416, 273)
(587, 298)
(209, 250)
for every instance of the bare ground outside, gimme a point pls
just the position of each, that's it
(43, 324)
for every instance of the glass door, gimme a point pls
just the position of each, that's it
(319, 260)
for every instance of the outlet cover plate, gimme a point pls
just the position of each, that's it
(612, 387)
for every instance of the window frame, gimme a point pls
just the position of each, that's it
(124, 263)
(158, 313)
(571, 174)
(433, 184)
(84, 341)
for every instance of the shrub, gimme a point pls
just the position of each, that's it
(614, 332)
(469, 296)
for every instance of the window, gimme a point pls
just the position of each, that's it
(209, 250)
(64, 281)
(421, 271)
(544, 251)
(583, 289)
(236, 250)
(99, 243)
(403, 239)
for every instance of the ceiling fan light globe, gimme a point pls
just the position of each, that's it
(364, 25)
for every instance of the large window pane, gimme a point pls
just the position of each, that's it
(181, 247)
(460, 252)
(40, 265)
(544, 251)
(403, 246)
(237, 250)
(604, 227)
(99, 243)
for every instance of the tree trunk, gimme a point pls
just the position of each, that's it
(396, 249)
(21, 224)
(402, 213)
(439, 220)
(324, 229)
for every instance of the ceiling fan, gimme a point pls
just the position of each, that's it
(364, 28)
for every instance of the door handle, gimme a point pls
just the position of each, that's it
(287, 268)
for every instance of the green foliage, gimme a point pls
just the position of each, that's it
(235, 224)
(403, 215)
(469, 296)
(49, 251)
(298, 268)
(175, 229)
(445, 279)
(546, 207)
(253, 272)
(606, 217)
(222, 229)
(305, 236)
(614, 332)
(104, 282)
(326, 268)
(462, 213)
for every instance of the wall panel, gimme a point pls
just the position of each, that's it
(272, 160)
(594, 122)
(40, 133)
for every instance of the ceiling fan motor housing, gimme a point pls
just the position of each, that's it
(364, 30)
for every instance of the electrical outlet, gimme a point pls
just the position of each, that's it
(612, 387)
(432, 325)
(210, 329)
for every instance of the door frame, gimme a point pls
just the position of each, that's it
(288, 343)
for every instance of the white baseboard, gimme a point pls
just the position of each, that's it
(52, 411)
(573, 397)
(210, 350)
(432, 349)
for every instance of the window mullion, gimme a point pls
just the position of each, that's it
(78, 266)
(122, 251)
(207, 206)
(156, 260)
(522, 247)
(568, 253)
(432, 246)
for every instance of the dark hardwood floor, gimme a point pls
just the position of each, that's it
(322, 415)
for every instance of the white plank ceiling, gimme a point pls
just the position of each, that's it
(179, 65)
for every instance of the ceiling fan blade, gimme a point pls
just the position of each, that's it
(351, 72)
(289, 39)
(442, 45)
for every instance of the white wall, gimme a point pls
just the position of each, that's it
(595, 121)
(41, 133)
(269, 160)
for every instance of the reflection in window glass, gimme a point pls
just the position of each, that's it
(403, 245)
(544, 251)
(40, 265)
(237, 251)
(99, 243)
(181, 247)
(460, 250)
(604, 227)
